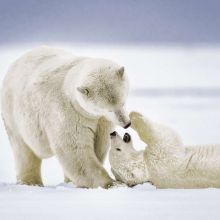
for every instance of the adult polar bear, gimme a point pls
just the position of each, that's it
(54, 103)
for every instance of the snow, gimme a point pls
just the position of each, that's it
(67, 202)
(195, 117)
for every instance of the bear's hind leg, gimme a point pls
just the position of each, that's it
(27, 164)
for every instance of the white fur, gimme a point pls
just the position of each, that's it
(165, 162)
(45, 113)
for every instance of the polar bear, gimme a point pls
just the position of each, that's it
(165, 162)
(54, 103)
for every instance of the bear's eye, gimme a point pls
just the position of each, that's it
(86, 92)
(118, 149)
(83, 90)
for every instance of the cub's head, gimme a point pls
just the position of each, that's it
(127, 164)
(103, 91)
(121, 149)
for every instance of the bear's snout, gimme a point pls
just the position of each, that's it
(127, 125)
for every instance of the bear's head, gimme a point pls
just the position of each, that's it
(127, 164)
(102, 90)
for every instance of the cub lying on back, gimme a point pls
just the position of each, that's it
(165, 162)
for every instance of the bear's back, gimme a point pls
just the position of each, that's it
(34, 64)
(30, 82)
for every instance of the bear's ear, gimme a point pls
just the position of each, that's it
(83, 90)
(120, 72)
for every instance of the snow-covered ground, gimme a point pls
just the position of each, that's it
(65, 202)
(184, 93)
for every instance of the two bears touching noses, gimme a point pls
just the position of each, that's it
(58, 104)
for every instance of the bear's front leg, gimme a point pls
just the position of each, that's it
(75, 152)
(82, 166)
(102, 138)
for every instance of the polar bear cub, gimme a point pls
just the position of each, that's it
(58, 104)
(165, 162)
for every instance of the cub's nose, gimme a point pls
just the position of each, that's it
(127, 138)
(127, 125)
(113, 134)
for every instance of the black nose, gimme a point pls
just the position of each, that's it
(127, 138)
(127, 125)
(113, 134)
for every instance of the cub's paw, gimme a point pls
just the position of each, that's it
(136, 119)
(133, 115)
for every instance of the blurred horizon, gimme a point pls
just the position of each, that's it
(153, 71)
(176, 43)
(156, 22)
